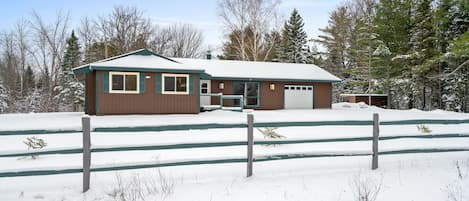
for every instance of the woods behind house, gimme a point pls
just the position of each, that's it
(416, 51)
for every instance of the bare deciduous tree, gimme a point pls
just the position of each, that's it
(49, 43)
(186, 42)
(255, 16)
(178, 40)
(87, 34)
(125, 28)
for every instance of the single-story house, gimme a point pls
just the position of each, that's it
(143, 82)
(379, 100)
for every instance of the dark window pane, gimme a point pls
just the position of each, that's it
(298, 88)
(238, 88)
(169, 84)
(252, 101)
(181, 84)
(252, 89)
(204, 91)
(286, 88)
(310, 88)
(292, 88)
(131, 82)
(204, 85)
(117, 82)
(304, 88)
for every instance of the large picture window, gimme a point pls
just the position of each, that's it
(175, 84)
(123, 82)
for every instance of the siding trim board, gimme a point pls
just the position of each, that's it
(97, 92)
(270, 79)
(159, 70)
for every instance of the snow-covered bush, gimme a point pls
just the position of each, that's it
(423, 128)
(366, 188)
(270, 133)
(138, 187)
(34, 143)
(458, 189)
(3, 99)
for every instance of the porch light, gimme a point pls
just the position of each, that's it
(221, 85)
(272, 86)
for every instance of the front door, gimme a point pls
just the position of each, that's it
(250, 92)
(205, 89)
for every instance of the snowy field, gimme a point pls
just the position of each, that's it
(430, 176)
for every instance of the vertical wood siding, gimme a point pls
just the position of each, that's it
(149, 102)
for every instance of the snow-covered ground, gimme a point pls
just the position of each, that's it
(404, 177)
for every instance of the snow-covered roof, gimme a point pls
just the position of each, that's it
(260, 70)
(363, 94)
(145, 60)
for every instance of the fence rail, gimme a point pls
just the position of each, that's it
(147, 147)
(179, 127)
(87, 150)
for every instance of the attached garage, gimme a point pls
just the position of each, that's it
(143, 82)
(298, 97)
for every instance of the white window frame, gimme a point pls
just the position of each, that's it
(175, 86)
(111, 73)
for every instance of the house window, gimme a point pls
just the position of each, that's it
(175, 84)
(124, 82)
(204, 88)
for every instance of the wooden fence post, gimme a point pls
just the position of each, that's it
(250, 143)
(374, 162)
(85, 120)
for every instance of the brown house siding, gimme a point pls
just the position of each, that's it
(149, 102)
(228, 90)
(90, 93)
(274, 99)
(322, 95)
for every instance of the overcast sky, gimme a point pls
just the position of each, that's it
(201, 13)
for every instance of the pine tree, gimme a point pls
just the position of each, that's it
(422, 50)
(294, 39)
(70, 91)
(29, 83)
(392, 26)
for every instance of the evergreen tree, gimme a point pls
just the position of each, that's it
(70, 91)
(294, 39)
(29, 82)
(392, 26)
(422, 50)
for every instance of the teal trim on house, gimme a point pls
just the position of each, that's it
(191, 84)
(105, 82)
(159, 70)
(158, 85)
(86, 93)
(205, 76)
(313, 95)
(198, 95)
(96, 92)
(270, 79)
(84, 69)
(142, 83)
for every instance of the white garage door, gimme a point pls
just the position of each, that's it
(298, 97)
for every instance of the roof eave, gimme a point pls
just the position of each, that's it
(275, 79)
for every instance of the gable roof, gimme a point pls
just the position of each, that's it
(146, 61)
(139, 60)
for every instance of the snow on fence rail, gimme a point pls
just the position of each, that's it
(87, 150)
(149, 147)
(179, 127)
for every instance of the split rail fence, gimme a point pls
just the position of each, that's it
(87, 149)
